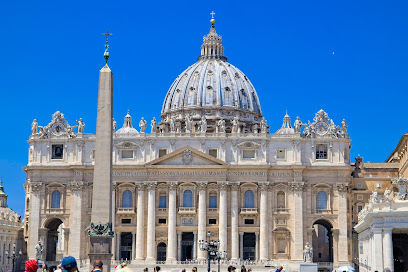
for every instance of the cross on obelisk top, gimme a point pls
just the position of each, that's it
(106, 54)
(212, 14)
(1, 181)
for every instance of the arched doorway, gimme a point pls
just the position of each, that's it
(161, 252)
(400, 242)
(53, 239)
(322, 241)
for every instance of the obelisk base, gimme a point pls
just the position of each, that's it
(100, 249)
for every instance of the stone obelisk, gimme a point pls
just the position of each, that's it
(100, 232)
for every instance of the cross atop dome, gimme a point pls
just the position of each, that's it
(212, 47)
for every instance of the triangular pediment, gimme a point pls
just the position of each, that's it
(187, 156)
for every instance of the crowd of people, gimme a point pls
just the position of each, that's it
(69, 264)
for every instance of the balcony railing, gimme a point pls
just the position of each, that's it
(249, 210)
(323, 211)
(162, 209)
(212, 209)
(125, 210)
(281, 210)
(187, 210)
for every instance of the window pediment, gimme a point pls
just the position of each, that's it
(127, 145)
(248, 145)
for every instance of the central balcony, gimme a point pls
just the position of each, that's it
(249, 211)
(186, 210)
(125, 210)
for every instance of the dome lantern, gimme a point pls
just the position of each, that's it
(212, 47)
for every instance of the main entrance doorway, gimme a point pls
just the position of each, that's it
(249, 246)
(161, 252)
(126, 240)
(187, 243)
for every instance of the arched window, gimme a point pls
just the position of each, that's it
(322, 200)
(55, 200)
(213, 201)
(281, 200)
(127, 199)
(249, 199)
(188, 198)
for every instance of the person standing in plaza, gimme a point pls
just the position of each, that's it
(280, 268)
(97, 266)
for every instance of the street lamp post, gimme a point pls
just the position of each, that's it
(221, 255)
(13, 255)
(211, 247)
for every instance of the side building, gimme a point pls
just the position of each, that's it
(383, 222)
(209, 166)
(11, 236)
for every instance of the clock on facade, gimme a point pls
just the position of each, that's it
(321, 128)
(57, 128)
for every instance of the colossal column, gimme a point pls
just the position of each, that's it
(151, 221)
(140, 222)
(297, 189)
(223, 216)
(202, 219)
(234, 222)
(377, 250)
(34, 218)
(172, 238)
(388, 249)
(263, 222)
(101, 243)
(76, 219)
(343, 228)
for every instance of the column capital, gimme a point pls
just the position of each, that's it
(140, 185)
(310, 230)
(241, 233)
(202, 185)
(179, 232)
(222, 185)
(234, 185)
(151, 185)
(195, 232)
(257, 233)
(36, 186)
(297, 186)
(342, 187)
(335, 232)
(263, 185)
(77, 185)
(172, 185)
(388, 230)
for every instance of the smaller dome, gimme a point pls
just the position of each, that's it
(286, 126)
(127, 128)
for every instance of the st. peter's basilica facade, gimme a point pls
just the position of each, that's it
(212, 164)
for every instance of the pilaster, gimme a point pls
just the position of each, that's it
(202, 219)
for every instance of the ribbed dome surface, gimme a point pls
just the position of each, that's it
(212, 83)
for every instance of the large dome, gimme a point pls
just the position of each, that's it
(213, 88)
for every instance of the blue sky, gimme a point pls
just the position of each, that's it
(51, 52)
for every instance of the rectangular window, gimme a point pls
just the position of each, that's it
(57, 152)
(162, 152)
(126, 221)
(361, 247)
(359, 197)
(163, 202)
(127, 154)
(359, 185)
(212, 221)
(321, 152)
(359, 208)
(93, 154)
(249, 221)
(213, 202)
(213, 152)
(162, 220)
(378, 185)
(248, 154)
(280, 154)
